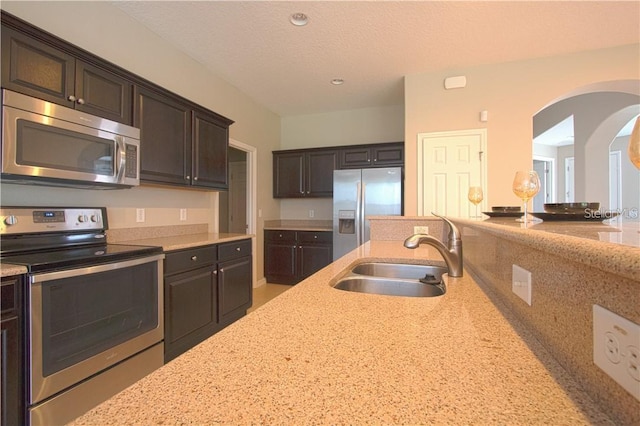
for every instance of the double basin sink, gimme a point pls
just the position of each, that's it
(394, 279)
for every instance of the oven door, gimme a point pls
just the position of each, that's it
(83, 321)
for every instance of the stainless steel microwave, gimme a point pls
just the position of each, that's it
(48, 144)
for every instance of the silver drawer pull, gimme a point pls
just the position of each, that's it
(194, 258)
(237, 248)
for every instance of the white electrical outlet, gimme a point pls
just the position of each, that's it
(183, 214)
(312, 213)
(616, 348)
(421, 230)
(139, 215)
(521, 283)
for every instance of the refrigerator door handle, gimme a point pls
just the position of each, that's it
(358, 213)
(363, 201)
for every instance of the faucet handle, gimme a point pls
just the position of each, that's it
(454, 233)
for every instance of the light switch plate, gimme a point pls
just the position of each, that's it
(183, 214)
(521, 283)
(616, 348)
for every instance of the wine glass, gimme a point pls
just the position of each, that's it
(526, 185)
(634, 144)
(475, 196)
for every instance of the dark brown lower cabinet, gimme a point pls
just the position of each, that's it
(190, 298)
(12, 374)
(235, 276)
(291, 256)
(205, 289)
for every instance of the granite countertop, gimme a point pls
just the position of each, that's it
(317, 355)
(7, 270)
(179, 242)
(299, 225)
(611, 246)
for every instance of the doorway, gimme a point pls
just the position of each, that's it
(237, 205)
(545, 168)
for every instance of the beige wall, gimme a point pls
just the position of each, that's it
(511, 93)
(348, 127)
(105, 31)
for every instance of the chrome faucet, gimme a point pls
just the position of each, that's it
(452, 252)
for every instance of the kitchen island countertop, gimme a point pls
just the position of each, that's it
(317, 355)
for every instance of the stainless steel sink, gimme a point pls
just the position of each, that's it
(389, 286)
(395, 279)
(399, 270)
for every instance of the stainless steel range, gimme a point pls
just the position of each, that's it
(94, 310)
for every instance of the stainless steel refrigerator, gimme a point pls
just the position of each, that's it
(359, 193)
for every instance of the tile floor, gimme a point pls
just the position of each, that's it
(266, 292)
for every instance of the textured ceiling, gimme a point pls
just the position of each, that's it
(372, 45)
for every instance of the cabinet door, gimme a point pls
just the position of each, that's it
(165, 137)
(315, 251)
(36, 69)
(210, 144)
(288, 175)
(355, 157)
(102, 93)
(235, 289)
(11, 360)
(191, 309)
(280, 262)
(319, 173)
(388, 155)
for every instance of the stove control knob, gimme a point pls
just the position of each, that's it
(95, 218)
(82, 218)
(10, 220)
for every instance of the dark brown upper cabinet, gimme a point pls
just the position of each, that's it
(304, 173)
(375, 155)
(181, 144)
(46, 71)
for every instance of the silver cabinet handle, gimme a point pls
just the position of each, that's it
(194, 258)
(237, 248)
(81, 101)
(71, 98)
(187, 177)
(195, 178)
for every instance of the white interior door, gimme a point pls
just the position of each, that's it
(615, 180)
(569, 186)
(448, 164)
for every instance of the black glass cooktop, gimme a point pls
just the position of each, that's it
(77, 257)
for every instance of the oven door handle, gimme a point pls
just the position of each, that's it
(48, 276)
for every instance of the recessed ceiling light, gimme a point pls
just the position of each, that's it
(299, 19)
(337, 81)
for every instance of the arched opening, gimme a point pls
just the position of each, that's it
(580, 145)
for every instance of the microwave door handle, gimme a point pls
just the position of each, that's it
(120, 158)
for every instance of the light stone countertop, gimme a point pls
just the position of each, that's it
(7, 270)
(179, 242)
(317, 355)
(298, 225)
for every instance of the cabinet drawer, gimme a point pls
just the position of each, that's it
(280, 236)
(9, 295)
(234, 250)
(185, 260)
(320, 237)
